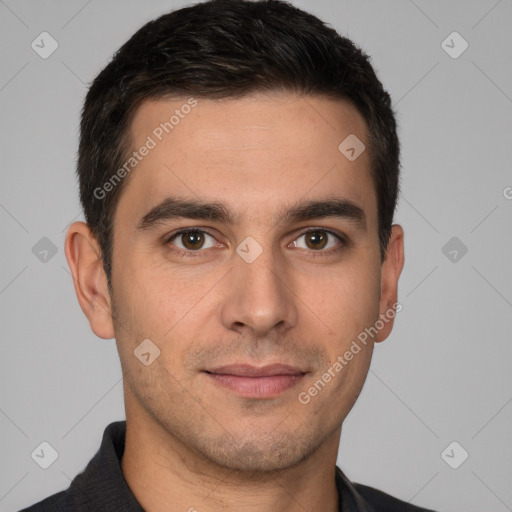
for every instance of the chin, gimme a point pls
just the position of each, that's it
(259, 455)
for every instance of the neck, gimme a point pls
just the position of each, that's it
(162, 473)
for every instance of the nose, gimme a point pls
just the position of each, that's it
(259, 296)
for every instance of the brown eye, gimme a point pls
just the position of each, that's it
(317, 240)
(191, 240)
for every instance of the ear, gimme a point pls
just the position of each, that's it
(84, 259)
(390, 273)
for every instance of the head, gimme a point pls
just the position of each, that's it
(211, 145)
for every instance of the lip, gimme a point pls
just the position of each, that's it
(256, 382)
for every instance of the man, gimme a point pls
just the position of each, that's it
(239, 172)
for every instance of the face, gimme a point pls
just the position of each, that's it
(278, 265)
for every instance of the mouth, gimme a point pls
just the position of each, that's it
(256, 382)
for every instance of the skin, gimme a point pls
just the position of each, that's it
(191, 443)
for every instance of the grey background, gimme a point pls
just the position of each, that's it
(443, 375)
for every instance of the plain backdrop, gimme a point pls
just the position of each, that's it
(444, 374)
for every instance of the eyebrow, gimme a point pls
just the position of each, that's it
(177, 208)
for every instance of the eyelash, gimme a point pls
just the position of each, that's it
(194, 254)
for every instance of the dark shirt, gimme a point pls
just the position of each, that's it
(101, 487)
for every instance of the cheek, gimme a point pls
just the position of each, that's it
(141, 287)
(346, 299)
(164, 305)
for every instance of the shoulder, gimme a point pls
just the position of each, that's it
(362, 498)
(382, 502)
(53, 503)
(100, 486)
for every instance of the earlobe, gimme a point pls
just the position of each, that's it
(84, 259)
(390, 273)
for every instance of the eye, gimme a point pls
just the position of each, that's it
(319, 240)
(188, 242)
(192, 240)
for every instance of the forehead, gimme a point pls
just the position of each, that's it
(256, 154)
